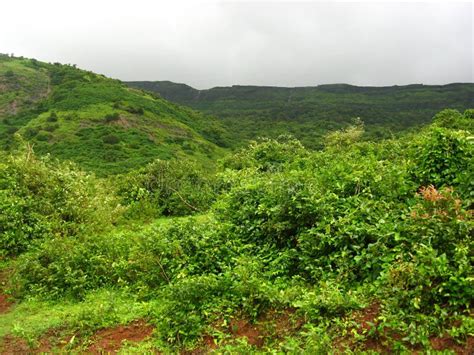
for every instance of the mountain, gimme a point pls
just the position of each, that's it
(100, 123)
(310, 112)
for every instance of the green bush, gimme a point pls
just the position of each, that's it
(53, 117)
(170, 188)
(70, 267)
(111, 117)
(442, 158)
(111, 139)
(453, 119)
(267, 154)
(364, 242)
(40, 199)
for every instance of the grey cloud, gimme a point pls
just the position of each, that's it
(261, 43)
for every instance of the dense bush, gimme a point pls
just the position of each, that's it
(453, 119)
(70, 267)
(41, 198)
(111, 117)
(170, 188)
(267, 154)
(443, 157)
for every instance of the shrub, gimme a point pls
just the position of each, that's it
(111, 139)
(30, 132)
(43, 136)
(70, 267)
(345, 137)
(40, 198)
(53, 117)
(111, 117)
(442, 157)
(453, 119)
(176, 188)
(12, 130)
(267, 154)
(51, 127)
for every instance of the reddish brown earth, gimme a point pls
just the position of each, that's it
(448, 343)
(242, 328)
(110, 340)
(367, 318)
(209, 342)
(273, 324)
(49, 341)
(5, 303)
(13, 345)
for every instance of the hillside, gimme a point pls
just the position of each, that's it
(310, 112)
(97, 122)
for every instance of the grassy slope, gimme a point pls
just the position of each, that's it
(20, 86)
(310, 112)
(98, 122)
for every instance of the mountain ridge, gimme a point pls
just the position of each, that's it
(309, 113)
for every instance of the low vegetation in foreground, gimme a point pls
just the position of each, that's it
(358, 247)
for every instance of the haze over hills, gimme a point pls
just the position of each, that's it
(98, 122)
(310, 112)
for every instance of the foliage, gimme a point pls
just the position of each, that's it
(267, 154)
(453, 119)
(170, 188)
(41, 198)
(443, 158)
(346, 136)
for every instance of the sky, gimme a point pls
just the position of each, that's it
(222, 43)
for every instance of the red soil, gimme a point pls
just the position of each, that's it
(367, 317)
(242, 328)
(208, 341)
(273, 324)
(447, 343)
(5, 304)
(13, 345)
(110, 340)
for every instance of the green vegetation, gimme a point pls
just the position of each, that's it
(99, 123)
(308, 113)
(359, 246)
(40, 198)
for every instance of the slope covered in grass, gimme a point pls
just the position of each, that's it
(310, 112)
(99, 123)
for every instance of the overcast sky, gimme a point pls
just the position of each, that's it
(206, 44)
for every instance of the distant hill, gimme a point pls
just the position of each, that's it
(310, 112)
(100, 123)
